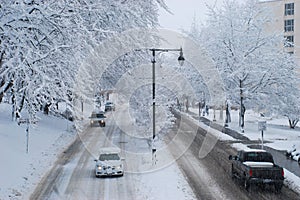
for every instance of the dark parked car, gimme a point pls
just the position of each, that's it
(256, 166)
(97, 118)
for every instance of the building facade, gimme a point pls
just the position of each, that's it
(287, 20)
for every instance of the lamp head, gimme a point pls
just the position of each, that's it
(181, 58)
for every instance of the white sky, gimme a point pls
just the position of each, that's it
(183, 13)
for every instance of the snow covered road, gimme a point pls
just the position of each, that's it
(210, 176)
(179, 172)
(73, 175)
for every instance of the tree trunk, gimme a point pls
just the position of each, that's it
(293, 123)
(46, 108)
(7, 87)
(242, 109)
(227, 116)
(20, 107)
(187, 105)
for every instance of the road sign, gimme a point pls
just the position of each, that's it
(262, 125)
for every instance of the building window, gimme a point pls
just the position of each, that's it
(289, 9)
(289, 41)
(288, 25)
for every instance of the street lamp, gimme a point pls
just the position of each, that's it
(181, 58)
(181, 62)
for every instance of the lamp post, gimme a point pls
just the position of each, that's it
(181, 61)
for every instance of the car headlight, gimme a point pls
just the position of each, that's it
(119, 167)
(99, 167)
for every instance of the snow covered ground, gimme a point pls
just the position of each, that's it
(21, 171)
(277, 133)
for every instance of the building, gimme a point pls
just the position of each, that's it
(287, 20)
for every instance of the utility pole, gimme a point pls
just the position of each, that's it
(153, 61)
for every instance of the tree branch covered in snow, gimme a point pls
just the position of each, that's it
(254, 68)
(44, 42)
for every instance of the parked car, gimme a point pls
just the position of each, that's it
(109, 163)
(110, 106)
(97, 118)
(289, 152)
(293, 154)
(296, 156)
(256, 166)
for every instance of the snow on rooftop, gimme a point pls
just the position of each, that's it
(106, 150)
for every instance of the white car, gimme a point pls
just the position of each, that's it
(109, 163)
(296, 156)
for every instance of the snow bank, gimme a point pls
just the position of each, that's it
(277, 133)
(292, 181)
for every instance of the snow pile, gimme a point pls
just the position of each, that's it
(292, 181)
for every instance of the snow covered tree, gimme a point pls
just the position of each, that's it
(31, 42)
(248, 57)
(44, 42)
(288, 106)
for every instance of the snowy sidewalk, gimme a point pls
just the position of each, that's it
(277, 135)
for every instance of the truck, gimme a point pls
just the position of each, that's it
(97, 118)
(256, 166)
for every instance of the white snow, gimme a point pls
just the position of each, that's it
(258, 164)
(166, 182)
(292, 181)
(277, 133)
(20, 171)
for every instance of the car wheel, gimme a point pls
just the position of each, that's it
(299, 161)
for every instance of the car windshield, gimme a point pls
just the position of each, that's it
(100, 115)
(104, 157)
(97, 115)
(259, 157)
